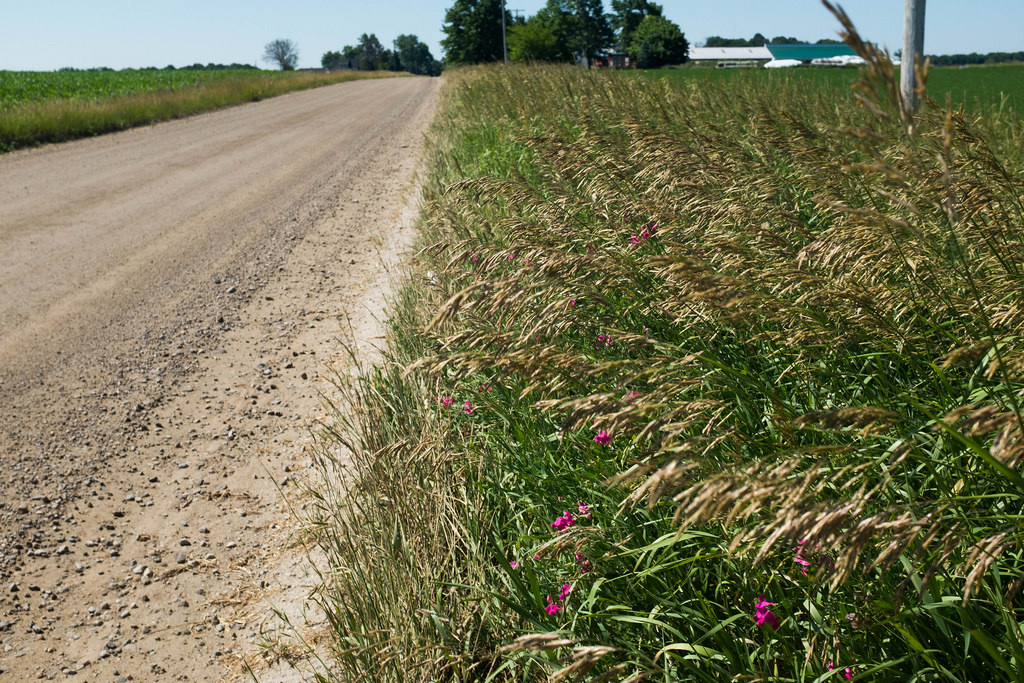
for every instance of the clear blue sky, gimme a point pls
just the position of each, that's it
(49, 34)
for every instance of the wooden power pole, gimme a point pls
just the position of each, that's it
(505, 41)
(913, 49)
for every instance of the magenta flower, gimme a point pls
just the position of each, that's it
(468, 407)
(847, 674)
(564, 591)
(764, 616)
(583, 510)
(800, 559)
(584, 563)
(603, 438)
(552, 607)
(513, 564)
(564, 522)
(446, 401)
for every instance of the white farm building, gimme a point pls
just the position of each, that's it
(730, 56)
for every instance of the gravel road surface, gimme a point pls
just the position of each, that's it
(171, 300)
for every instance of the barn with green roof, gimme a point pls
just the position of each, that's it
(809, 53)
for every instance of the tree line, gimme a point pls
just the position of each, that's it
(562, 31)
(976, 58)
(759, 40)
(408, 53)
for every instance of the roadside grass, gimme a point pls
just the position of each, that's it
(691, 382)
(38, 121)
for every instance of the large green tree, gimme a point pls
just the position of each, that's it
(545, 37)
(586, 28)
(627, 15)
(593, 29)
(472, 31)
(371, 52)
(658, 41)
(414, 56)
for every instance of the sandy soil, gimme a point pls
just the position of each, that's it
(171, 304)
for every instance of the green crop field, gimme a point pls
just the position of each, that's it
(19, 87)
(40, 107)
(978, 88)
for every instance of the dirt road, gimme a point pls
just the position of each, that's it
(171, 300)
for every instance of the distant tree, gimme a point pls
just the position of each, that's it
(333, 60)
(284, 53)
(975, 58)
(783, 40)
(627, 15)
(472, 31)
(719, 41)
(389, 60)
(414, 56)
(658, 41)
(371, 52)
(829, 41)
(586, 28)
(538, 40)
(593, 29)
(757, 41)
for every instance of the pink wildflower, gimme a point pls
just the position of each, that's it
(763, 615)
(564, 522)
(800, 559)
(603, 438)
(513, 564)
(446, 401)
(468, 407)
(564, 591)
(583, 510)
(552, 606)
(584, 563)
(847, 674)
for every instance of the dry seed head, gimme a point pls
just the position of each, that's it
(538, 642)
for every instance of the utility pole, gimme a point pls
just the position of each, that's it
(505, 42)
(913, 50)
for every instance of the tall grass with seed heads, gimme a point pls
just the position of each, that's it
(692, 382)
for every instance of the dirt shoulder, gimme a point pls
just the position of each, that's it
(173, 303)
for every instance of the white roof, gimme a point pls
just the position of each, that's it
(782, 63)
(729, 53)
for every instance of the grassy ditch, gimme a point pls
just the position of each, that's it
(33, 121)
(691, 383)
